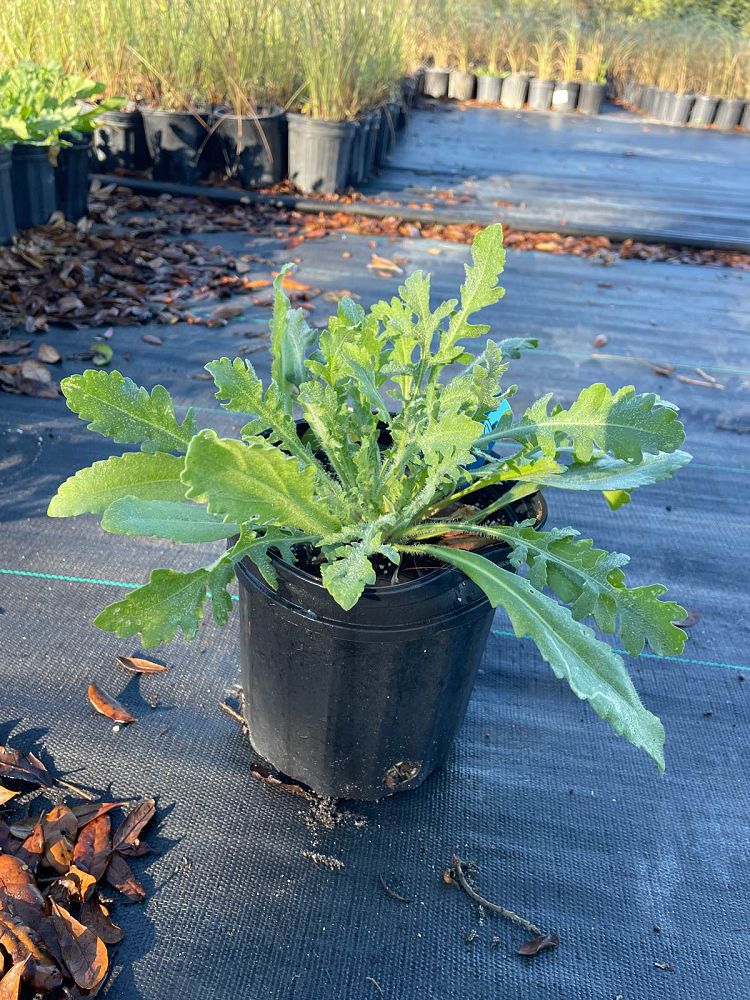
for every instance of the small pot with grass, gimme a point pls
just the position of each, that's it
(375, 515)
(703, 111)
(436, 82)
(120, 143)
(489, 86)
(729, 113)
(565, 94)
(250, 146)
(461, 85)
(514, 91)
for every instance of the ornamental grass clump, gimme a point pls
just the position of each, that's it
(388, 464)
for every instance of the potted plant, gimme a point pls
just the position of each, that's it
(10, 126)
(437, 26)
(462, 82)
(249, 78)
(544, 54)
(170, 47)
(731, 87)
(565, 94)
(373, 537)
(593, 71)
(515, 28)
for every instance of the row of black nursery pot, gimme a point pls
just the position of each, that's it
(687, 109)
(182, 147)
(515, 90)
(34, 184)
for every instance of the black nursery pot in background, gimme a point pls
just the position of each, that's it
(358, 163)
(319, 154)
(178, 145)
(435, 83)
(33, 182)
(364, 703)
(590, 98)
(72, 176)
(251, 147)
(565, 96)
(729, 113)
(120, 143)
(704, 110)
(461, 85)
(7, 215)
(540, 93)
(678, 109)
(745, 120)
(488, 89)
(514, 91)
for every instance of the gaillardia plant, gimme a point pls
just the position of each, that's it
(392, 469)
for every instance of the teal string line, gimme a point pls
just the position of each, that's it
(503, 633)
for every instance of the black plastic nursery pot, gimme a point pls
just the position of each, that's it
(178, 145)
(319, 154)
(662, 105)
(250, 148)
(565, 96)
(729, 113)
(33, 182)
(591, 98)
(704, 110)
(394, 117)
(514, 91)
(364, 703)
(648, 99)
(678, 110)
(745, 120)
(461, 85)
(120, 143)
(371, 144)
(358, 162)
(488, 89)
(435, 83)
(540, 93)
(72, 176)
(7, 214)
(383, 142)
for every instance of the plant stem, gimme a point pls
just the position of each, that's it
(508, 914)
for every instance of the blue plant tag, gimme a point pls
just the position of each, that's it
(490, 422)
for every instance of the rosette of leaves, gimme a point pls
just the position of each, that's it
(337, 489)
(38, 103)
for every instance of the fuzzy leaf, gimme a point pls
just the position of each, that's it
(350, 570)
(610, 474)
(255, 547)
(594, 671)
(179, 522)
(480, 287)
(168, 602)
(514, 347)
(291, 339)
(624, 424)
(124, 411)
(92, 490)
(254, 482)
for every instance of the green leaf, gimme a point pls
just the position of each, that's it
(124, 411)
(594, 671)
(255, 547)
(237, 385)
(291, 339)
(624, 424)
(616, 498)
(514, 347)
(254, 482)
(134, 474)
(480, 288)
(610, 474)
(179, 522)
(168, 602)
(349, 570)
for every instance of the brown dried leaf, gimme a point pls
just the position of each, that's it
(120, 875)
(31, 850)
(138, 818)
(95, 915)
(60, 827)
(69, 303)
(10, 984)
(6, 795)
(290, 284)
(690, 619)
(29, 768)
(18, 891)
(85, 954)
(13, 346)
(48, 353)
(21, 943)
(542, 942)
(77, 882)
(94, 846)
(136, 665)
(383, 264)
(34, 379)
(225, 312)
(151, 338)
(106, 705)
(87, 812)
(335, 295)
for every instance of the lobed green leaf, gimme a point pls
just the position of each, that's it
(134, 474)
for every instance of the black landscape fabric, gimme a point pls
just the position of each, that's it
(254, 893)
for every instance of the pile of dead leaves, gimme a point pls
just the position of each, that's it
(55, 925)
